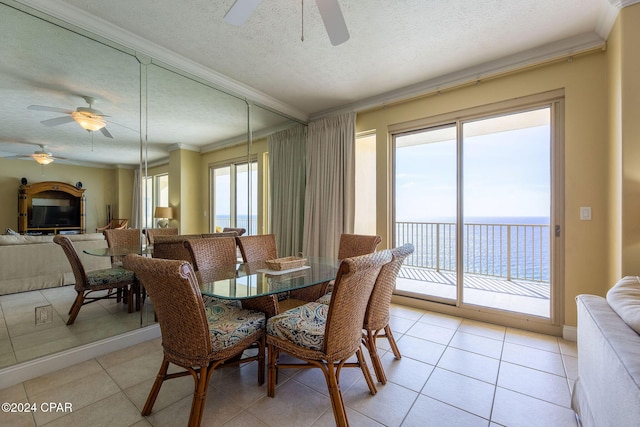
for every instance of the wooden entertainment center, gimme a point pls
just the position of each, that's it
(51, 208)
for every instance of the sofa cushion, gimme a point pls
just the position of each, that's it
(624, 299)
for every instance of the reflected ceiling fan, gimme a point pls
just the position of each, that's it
(42, 156)
(89, 118)
(329, 11)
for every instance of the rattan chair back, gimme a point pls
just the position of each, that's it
(172, 247)
(113, 281)
(152, 233)
(352, 245)
(173, 288)
(221, 234)
(377, 314)
(114, 224)
(240, 231)
(190, 339)
(211, 253)
(258, 248)
(127, 238)
(351, 291)
(79, 273)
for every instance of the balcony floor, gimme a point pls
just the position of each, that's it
(512, 295)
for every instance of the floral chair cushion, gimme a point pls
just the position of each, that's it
(324, 299)
(109, 275)
(228, 324)
(303, 325)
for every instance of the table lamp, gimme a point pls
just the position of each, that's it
(164, 214)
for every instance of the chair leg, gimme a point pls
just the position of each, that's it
(130, 303)
(370, 343)
(199, 396)
(337, 403)
(75, 308)
(365, 372)
(392, 342)
(155, 389)
(272, 370)
(261, 345)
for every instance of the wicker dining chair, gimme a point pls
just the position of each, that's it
(376, 319)
(212, 252)
(127, 238)
(87, 282)
(196, 337)
(172, 247)
(151, 233)
(261, 247)
(325, 336)
(354, 245)
(357, 244)
(240, 231)
(114, 224)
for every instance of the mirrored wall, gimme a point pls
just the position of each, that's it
(151, 110)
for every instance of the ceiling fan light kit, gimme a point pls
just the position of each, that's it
(89, 118)
(88, 121)
(42, 157)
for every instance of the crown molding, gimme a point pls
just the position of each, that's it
(91, 23)
(537, 56)
(181, 146)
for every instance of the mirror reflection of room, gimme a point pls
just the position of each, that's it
(190, 125)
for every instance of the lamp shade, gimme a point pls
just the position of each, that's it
(163, 212)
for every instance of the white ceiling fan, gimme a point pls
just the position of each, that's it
(42, 156)
(329, 11)
(89, 118)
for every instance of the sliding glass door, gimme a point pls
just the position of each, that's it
(474, 197)
(235, 196)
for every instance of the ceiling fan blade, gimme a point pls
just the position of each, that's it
(240, 11)
(106, 133)
(333, 21)
(57, 121)
(52, 109)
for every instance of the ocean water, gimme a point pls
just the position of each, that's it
(507, 247)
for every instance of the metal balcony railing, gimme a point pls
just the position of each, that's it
(509, 251)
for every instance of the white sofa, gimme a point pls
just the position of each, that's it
(35, 262)
(607, 391)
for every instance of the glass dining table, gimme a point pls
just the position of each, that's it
(258, 287)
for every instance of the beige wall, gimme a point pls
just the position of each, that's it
(102, 187)
(184, 187)
(584, 80)
(629, 138)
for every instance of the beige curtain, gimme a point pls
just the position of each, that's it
(287, 151)
(329, 199)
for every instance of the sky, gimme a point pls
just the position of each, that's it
(506, 173)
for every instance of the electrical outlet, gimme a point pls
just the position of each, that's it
(44, 314)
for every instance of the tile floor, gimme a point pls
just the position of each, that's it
(454, 372)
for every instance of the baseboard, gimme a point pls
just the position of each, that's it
(34, 368)
(570, 333)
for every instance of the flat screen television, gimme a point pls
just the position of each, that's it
(54, 216)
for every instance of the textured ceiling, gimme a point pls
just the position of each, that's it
(396, 47)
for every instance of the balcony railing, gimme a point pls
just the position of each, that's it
(240, 222)
(509, 251)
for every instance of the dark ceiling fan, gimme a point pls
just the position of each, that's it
(89, 118)
(329, 11)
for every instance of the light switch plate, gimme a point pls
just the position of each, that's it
(585, 213)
